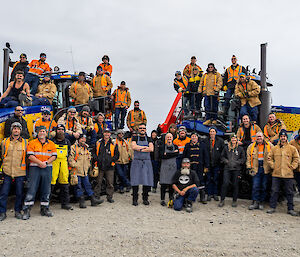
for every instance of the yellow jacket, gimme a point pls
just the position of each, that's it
(81, 93)
(135, 118)
(100, 87)
(210, 84)
(47, 90)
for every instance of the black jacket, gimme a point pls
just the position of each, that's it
(233, 159)
(197, 154)
(24, 133)
(20, 66)
(214, 152)
(168, 155)
(104, 158)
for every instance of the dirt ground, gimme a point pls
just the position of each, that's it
(121, 229)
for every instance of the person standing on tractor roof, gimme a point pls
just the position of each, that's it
(188, 69)
(71, 123)
(122, 102)
(210, 86)
(136, 117)
(81, 91)
(21, 65)
(141, 171)
(196, 152)
(273, 128)
(10, 97)
(80, 162)
(258, 168)
(195, 96)
(46, 92)
(17, 117)
(181, 86)
(248, 91)
(106, 154)
(246, 133)
(181, 140)
(87, 125)
(36, 69)
(41, 153)
(214, 147)
(13, 154)
(106, 66)
(101, 85)
(45, 121)
(230, 79)
(60, 169)
(283, 160)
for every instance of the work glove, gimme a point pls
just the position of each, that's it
(205, 170)
(179, 90)
(225, 88)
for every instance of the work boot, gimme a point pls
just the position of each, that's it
(128, 189)
(260, 206)
(135, 198)
(162, 203)
(202, 197)
(110, 199)
(26, 214)
(207, 123)
(293, 213)
(221, 204)
(82, 202)
(18, 215)
(45, 211)
(234, 204)
(214, 122)
(153, 190)
(216, 198)
(271, 211)
(66, 207)
(254, 205)
(122, 191)
(209, 198)
(95, 201)
(145, 199)
(189, 207)
(2, 216)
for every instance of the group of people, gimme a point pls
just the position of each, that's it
(195, 85)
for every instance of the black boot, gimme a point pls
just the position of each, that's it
(82, 203)
(18, 215)
(26, 214)
(2, 216)
(95, 201)
(145, 199)
(65, 197)
(135, 195)
(45, 211)
(202, 197)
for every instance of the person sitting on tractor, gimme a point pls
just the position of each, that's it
(87, 125)
(46, 92)
(136, 117)
(210, 86)
(273, 128)
(81, 91)
(106, 66)
(46, 121)
(181, 86)
(21, 65)
(100, 125)
(248, 92)
(10, 97)
(36, 69)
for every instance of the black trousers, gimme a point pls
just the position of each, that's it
(288, 189)
(163, 190)
(230, 176)
(135, 191)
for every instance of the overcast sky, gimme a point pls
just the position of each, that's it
(147, 41)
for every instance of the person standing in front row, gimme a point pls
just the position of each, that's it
(141, 172)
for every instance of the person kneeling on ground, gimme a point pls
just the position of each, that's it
(185, 183)
(80, 161)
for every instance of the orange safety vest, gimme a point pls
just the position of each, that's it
(126, 144)
(37, 67)
(103, 82)
(252, 150)
(252, 132)
(24, 145)
(189, 68)
(233, 73)
(97, 127)
(181, 143)
(121, 97)
(276, 126)
(106, 68)
(43, 152)
(86, 85)
(180, 84)
(75, 159)
(112, 150)
(204, 82)
(131, 113)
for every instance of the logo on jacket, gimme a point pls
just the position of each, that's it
(184, 179)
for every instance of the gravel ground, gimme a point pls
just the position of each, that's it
(120, 229)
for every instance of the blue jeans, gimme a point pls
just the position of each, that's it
(5, 191)
(259, 187)
(228, 96)
(40, 101)
(38, 175)
(8, 102)
(123, 112)
(122, 171)
(83, 184)
(33, 81)
(211, 107)
(195, 101)
(190, 195)
(155, 166)
(91, 137)
(212, 180)
(248, 110)
(288, 190)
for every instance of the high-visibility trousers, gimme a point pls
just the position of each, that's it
(60, 171)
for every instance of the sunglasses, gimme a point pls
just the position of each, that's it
(73, 112)
(20, 110)
(142, 128)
